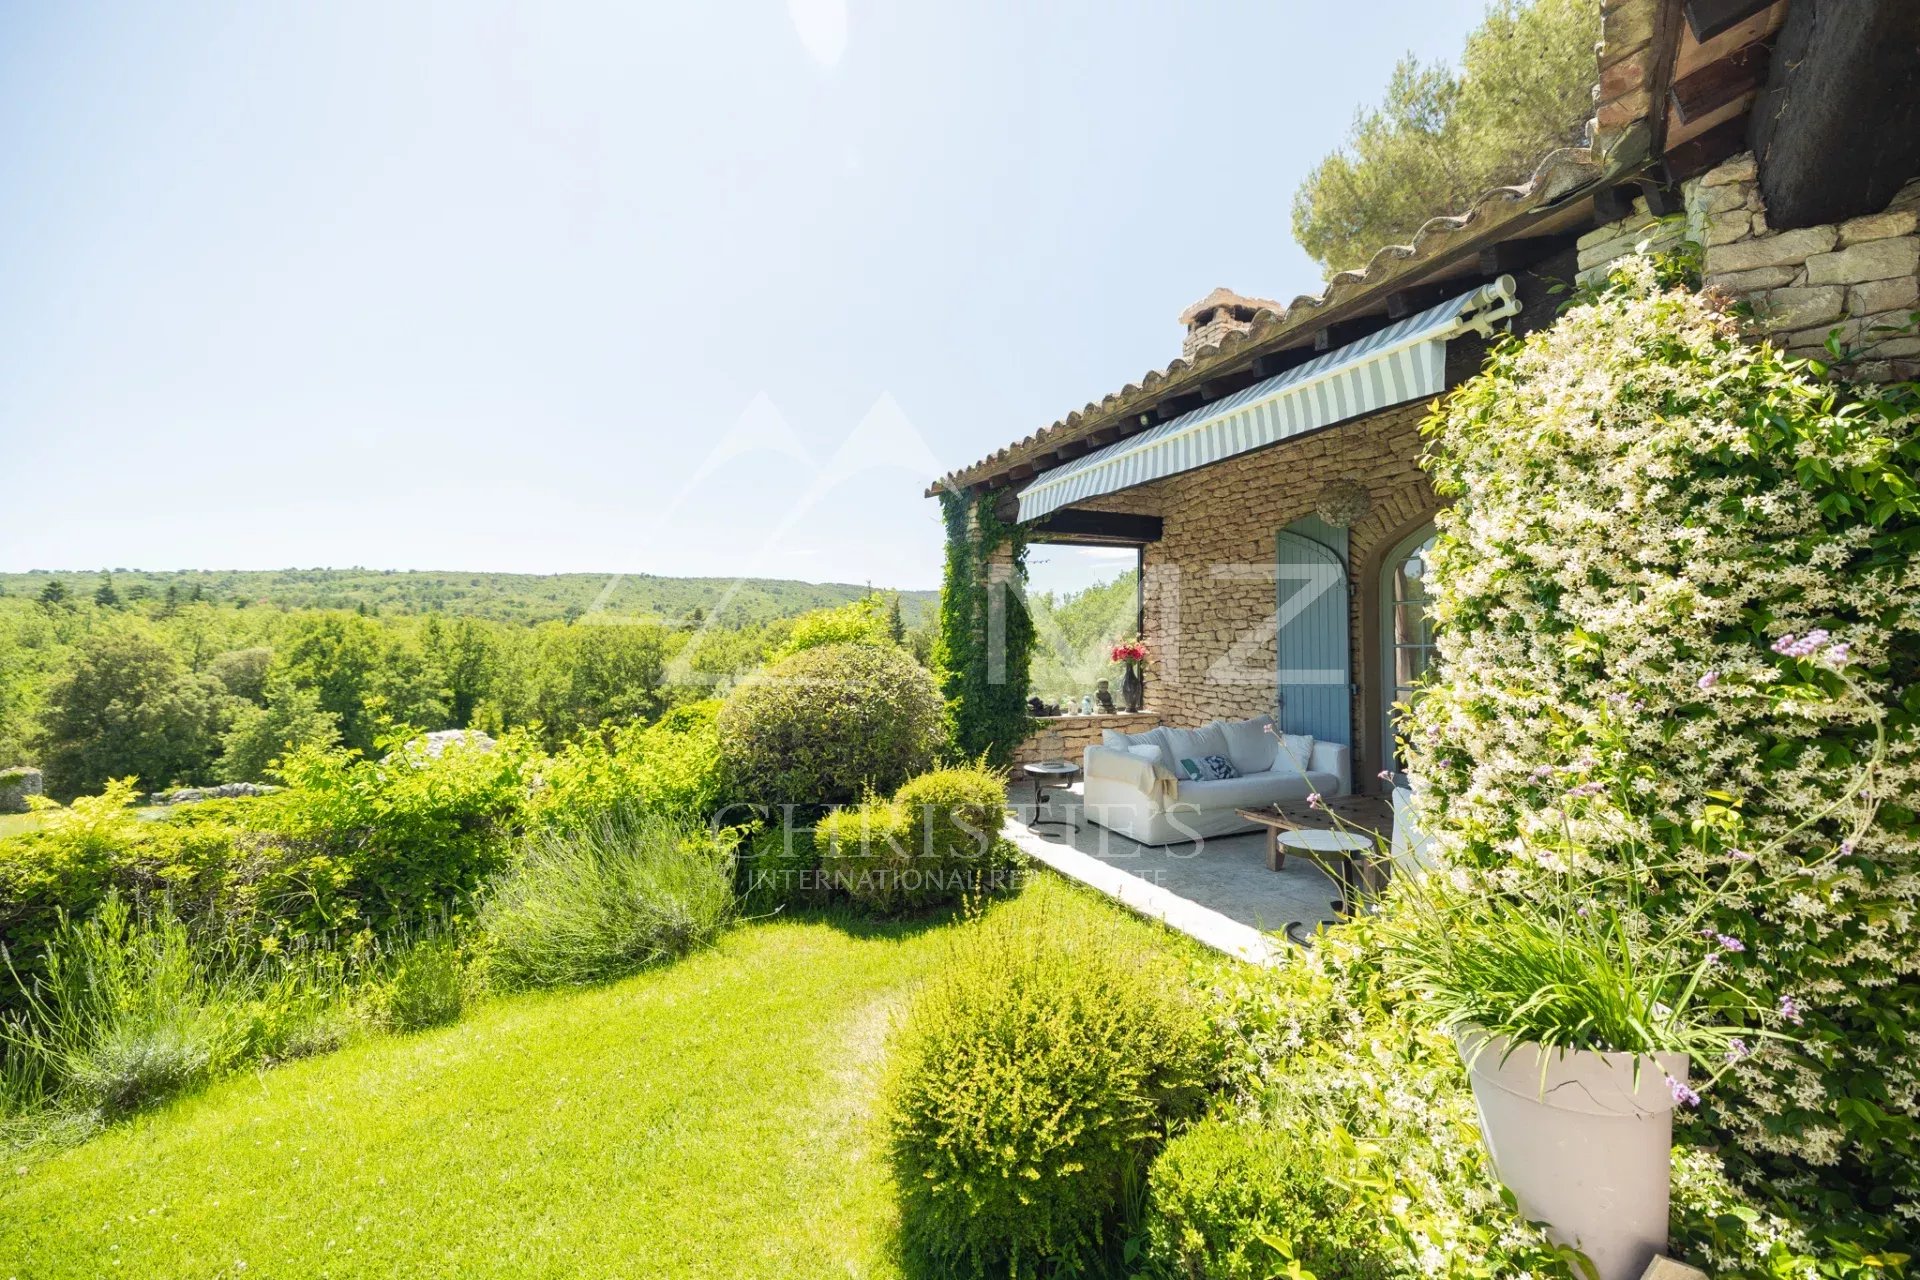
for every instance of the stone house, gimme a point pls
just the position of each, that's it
(1270, 475)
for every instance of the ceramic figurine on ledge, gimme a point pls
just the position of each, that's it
(1086, 704)
(1104, 698)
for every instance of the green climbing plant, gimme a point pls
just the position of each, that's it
(986, 699)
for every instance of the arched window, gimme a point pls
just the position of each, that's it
(1406, 631)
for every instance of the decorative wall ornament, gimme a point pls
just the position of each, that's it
(1342, 503)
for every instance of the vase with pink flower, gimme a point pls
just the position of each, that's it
(1132, 657)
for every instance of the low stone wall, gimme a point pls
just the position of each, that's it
(1803, 284)
(16, 784)
(1068, 737)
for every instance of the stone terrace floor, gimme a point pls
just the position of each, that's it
(1218, 891)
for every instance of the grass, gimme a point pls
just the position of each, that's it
(14, 824)
(713, 1117)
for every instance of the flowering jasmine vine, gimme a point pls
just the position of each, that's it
(1684, 562)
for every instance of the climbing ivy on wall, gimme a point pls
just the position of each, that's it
(988, 714)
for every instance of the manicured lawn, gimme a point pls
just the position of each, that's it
(708, 1119)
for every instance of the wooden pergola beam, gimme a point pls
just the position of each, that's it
(1105, 526)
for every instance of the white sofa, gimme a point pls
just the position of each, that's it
(1135, 785)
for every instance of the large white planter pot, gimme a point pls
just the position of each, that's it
(1583, 1142)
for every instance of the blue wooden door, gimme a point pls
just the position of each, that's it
(1312, 633)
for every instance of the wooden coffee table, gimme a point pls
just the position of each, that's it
(1361, 815)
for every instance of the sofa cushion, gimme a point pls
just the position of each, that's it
(1191, 744)
(1146, 751)
(1249, 791)
(1145, 738)
(1295, 755)
(1208, 768)
(1249, 744)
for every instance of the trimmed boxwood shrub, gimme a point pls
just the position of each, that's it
(1233, 1199)
(932, 843)
(825, 726)
(1033, 1080)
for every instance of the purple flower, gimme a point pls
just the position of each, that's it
(1313, 799)
(1729, 944)
(1740, 855)
(1737, 1049)
(1681, 1094)
(1587, 789)
(1846, 848)
(1386, 775)
(1792, 646)
(1838, 655)
(1710, 679)
(1790, 1010)
(1446, 761)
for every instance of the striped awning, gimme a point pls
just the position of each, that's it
(1404, 361)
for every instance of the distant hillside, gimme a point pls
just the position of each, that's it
(504, 597)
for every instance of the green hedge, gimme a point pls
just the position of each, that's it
(933, 842)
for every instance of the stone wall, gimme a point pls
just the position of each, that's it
(1210, 583)
(1068, 737)
(1604, 244)
(1805, 283)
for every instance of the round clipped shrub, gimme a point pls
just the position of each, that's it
(1033, 1079)
(824, 726)
(1232, 1199)
(933, 842)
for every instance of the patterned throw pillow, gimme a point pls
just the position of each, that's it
(1209, 769)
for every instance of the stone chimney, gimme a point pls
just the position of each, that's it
(1220, 313)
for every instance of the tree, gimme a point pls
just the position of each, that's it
(460, 654)
(126, 706)
(53, 595)
(861, 621)
(338, 656)
(593, 674)
(243, 673)
(896, 625)
(1439, 139)
(104, 595)
(260, 735)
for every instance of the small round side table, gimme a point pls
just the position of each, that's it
(1055, 776)
(1336, 852)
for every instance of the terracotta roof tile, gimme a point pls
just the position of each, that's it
(1559, 174)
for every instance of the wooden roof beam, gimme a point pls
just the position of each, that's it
(1708, 18)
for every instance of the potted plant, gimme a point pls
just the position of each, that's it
(1132, 655)
(1584, 1021)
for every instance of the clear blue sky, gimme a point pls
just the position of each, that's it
(701, 288)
